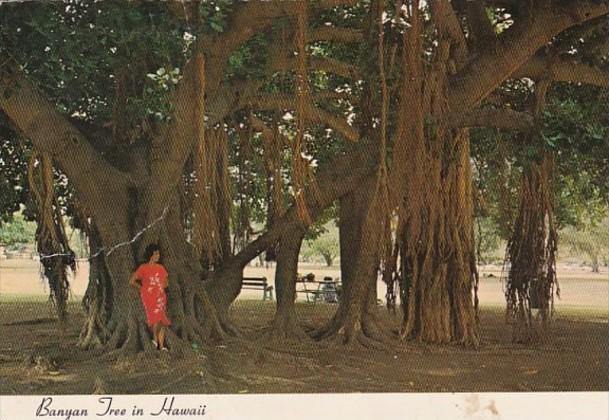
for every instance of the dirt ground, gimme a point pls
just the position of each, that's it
(35, 358)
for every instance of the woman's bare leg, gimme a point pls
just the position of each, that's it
(161, 336)
(155, 333)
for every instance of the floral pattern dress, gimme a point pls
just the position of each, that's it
(152, 292)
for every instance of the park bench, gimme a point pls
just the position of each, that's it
(258, 283)
(326, 290)
(303, 281)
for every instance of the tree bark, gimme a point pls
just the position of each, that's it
(131, 210)
(286, 272)
(533, 243)
(97, 301)
(431, 180)
(355, 320)
(439, 252)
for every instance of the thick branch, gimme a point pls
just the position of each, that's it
(53, 133)
(539, 68)
(340, 125)
(232, 97)
(340, 177)
(448, 26)
(176, 140)
(333, 33)
(251, 17)
(483, 75)
(313, 113)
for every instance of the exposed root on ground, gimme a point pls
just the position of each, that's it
(284, 327)
(93, 333)
(262, 352)
(367, 331)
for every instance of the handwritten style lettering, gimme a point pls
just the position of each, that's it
(110, 411)
(45, 409)
(168, 409)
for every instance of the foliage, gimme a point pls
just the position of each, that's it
(591, 240)
(325, 246)
(111, 68)
(17, 232)
(574, 126)
(13, 175)
(488, 240)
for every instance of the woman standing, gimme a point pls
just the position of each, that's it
(151, 278)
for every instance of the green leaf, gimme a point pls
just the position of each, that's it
(216, 26)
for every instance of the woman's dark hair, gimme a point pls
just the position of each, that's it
(150, 249)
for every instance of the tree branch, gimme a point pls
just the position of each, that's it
(562, 71)
(336, 34)
(483, 75)
(313, 113)
(249, 18)
(448, 26)
(175, 140)
(52, 133)
(333, 181)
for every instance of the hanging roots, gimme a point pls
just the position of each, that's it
(532, 282)
(210, 191)
(52, 242)
(437, 248)
(388, 253)
(273, 148)
(301, 172)
(242, 223)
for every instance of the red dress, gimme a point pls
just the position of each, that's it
(153, 295)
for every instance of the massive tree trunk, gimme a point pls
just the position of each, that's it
(97, 301)
(364, 211)
(284, 323)
(126, 323)
(136, 204)
(432, 180)
(360, 245)
(194, 317)
(440, 254)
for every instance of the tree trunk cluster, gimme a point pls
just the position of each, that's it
(416, 172)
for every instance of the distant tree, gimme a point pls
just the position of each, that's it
(140, 108)
(17, 231)
(591, 240)
(487, 239)
(325, 246)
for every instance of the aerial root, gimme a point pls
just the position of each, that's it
(94, 332)
(229, 328)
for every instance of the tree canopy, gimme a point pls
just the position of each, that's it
(189, 123)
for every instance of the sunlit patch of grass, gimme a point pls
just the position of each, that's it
(562, 311)
(34, 298)
(23, 298)
(587, 312)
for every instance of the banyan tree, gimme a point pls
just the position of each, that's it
(394, 87)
